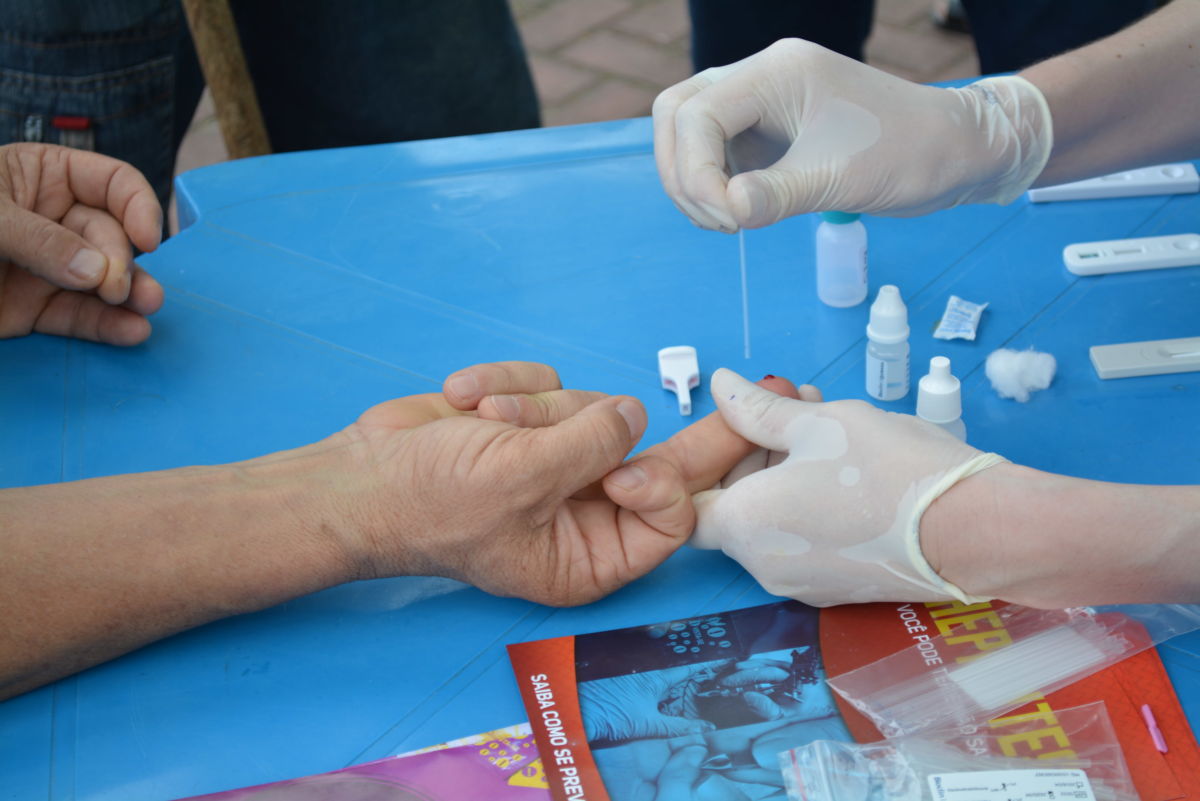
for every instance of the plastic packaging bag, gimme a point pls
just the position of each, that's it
(1040, 651)
(1073, 757)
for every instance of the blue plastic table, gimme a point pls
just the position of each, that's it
(307, 287)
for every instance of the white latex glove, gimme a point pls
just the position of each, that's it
(808, 129)
(621, 708)
(838, 521)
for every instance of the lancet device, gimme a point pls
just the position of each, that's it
(1127, 255)
(680, 372)
(1163, 179)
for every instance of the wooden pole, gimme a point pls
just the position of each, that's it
(224, 66)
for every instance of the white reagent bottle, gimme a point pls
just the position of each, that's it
(939, 398)
(887, 346)
(841, 259)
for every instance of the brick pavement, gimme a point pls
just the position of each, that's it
(607, 59)
(604, 59)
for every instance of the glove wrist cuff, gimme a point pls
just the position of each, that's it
(1015, 121)
(980, 462)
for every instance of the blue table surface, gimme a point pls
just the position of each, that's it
(308, 287)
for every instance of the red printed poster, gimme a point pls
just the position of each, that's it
(682, 709)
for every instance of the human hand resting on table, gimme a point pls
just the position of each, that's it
(798, 128)
(66, 268)
(512, 484)
(838, 520)
(503, 480)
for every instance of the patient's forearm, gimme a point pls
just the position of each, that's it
(92, 569)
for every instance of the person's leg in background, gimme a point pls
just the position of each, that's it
(121, 76)
(1012, 35)
(372, 71)
(724, 31)
(94, 74)
(189, 84)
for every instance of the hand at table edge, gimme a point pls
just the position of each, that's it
(67, 220)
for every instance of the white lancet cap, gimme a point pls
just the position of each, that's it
(680, 372)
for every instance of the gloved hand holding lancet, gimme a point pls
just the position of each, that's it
(807, 129)
(838, 520)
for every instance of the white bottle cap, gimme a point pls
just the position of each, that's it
(679, 370)
(939, 394)
(889, 317)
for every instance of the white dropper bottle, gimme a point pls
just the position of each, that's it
(887, 346)
(939, 398)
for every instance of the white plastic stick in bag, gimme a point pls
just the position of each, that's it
(1050, 649)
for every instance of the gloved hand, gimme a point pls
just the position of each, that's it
(798, 128)
(750, 680)
(838, 521)
(621, 708)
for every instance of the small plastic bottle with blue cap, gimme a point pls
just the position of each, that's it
(841, 259)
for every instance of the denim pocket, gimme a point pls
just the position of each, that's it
(129, 113)
(107, 87)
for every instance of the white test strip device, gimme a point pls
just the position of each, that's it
(1127, 255)
(1152, 357)
(1163, 179)
(680, 372)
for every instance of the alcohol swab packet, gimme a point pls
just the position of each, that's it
(680, 373)
(960, 319)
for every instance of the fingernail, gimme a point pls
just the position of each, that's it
(126, 285)
(724, 222)
(463, 386)
(632, 412)
(628, 478)
(752, 203)
(508, 407)
(88, 265)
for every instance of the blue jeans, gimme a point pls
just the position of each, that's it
(327, 74)
(1009, 34)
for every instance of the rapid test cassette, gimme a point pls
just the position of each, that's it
(1153, 357)
(1127, 255)
(1163, 179)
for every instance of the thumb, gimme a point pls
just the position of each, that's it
(652, 488)
(758, 414)
(589, 444)
(50, 251)
(762, 197)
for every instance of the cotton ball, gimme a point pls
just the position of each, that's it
(1016, 373)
